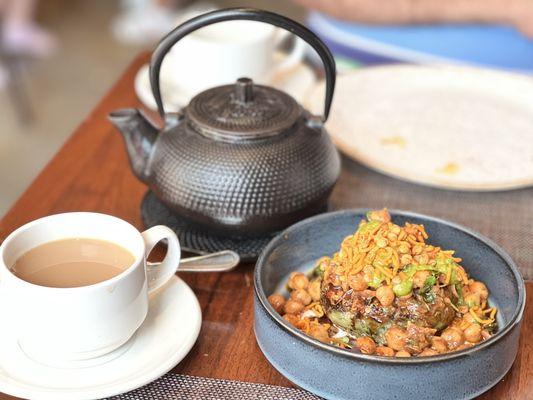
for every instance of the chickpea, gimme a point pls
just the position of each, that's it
(485, 334)
(473, 333)
(293, 307)
(368, 269)
(368, 273)
(366, 345)
(480, 288)
(468, 318)
(298, 280)
(358, 282)
(382, 242)
(404, 249)
(396, 280)
(396, 338)
(473, 299)
(422, 259)
(463, 309)
(314, 290)
(384, 351)
(465, 346)
(439, 344)
(392, 236)
(379, 215)
(403, 354)
(301, 296)
(417, 249)
(291, 319)
(385, 295)
(420, 278)
(428, 352)
(319, 332)
(453, 337)
(277, 301)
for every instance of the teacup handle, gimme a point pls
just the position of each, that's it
(158, 274)
(293, 57)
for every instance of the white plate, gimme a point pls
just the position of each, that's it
(298, 81)
(451, 127)
(166, 336)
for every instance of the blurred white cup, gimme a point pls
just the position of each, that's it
(221, 53)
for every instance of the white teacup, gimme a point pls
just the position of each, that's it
(220, 54)
(56, 325)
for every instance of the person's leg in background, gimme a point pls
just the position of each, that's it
(20, 37)
(20, 33)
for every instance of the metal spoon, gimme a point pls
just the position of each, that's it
(220, 261)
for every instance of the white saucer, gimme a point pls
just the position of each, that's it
(298, 82)
(166, 336)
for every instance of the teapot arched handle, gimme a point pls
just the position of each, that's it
(251, 14)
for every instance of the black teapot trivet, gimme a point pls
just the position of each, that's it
(195, 239)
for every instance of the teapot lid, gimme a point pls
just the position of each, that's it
(242, 111)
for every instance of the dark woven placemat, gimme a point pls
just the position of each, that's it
(195, 239)
(177, 387)
(504, 217)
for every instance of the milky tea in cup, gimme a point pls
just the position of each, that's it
(72, 262)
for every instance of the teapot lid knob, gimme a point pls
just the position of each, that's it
(244, 90)
(242, 111)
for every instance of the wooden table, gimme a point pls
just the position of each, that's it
(91, 173)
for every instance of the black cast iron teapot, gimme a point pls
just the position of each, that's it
(241, 159)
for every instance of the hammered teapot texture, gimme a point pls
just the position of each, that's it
(241, 159)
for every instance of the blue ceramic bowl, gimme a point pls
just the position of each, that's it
(335, 373)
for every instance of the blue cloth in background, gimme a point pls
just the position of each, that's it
(485, 45)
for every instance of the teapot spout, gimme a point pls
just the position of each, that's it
(139, 135)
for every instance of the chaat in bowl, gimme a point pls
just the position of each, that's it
(387, 305)
(388, 291)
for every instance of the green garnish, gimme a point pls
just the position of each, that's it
(460, 298)
(448, 266)
(341, 318)
(379, 336)
(361, 328)
(368, 227)
(345, 340)
(427, 290)
(403, 288)
(443, 266)
(411, 269)
(429, 282)
(376, 280)
(319, 271)
(471, 302)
